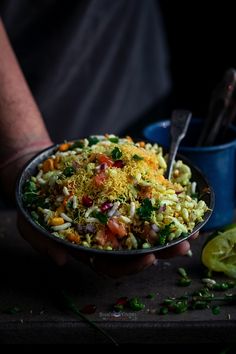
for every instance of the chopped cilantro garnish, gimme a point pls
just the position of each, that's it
(30, 195)
(77, 144)
(69, 171)
(145, 211)
(103, 218)
(116, 153)
(30, 198)
(93, 140)
(30, 186)
(164, 233)
(114, 140)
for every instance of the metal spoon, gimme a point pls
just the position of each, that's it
(180, 120)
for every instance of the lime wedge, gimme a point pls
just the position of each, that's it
(219, 253)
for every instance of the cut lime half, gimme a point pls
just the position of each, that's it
(219, 253)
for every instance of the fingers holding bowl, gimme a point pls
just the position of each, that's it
(114, 267)
(40, 243)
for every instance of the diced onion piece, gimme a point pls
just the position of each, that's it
(66, 217)
(61, 227)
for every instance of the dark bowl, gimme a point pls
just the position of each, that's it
(203, 188)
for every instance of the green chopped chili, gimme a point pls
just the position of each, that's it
(224, 285)
(182, 272)
(184, 281)
(136, 304)
(163, 310)
(137, 157)
(216, 310)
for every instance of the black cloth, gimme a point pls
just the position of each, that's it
(94, 66)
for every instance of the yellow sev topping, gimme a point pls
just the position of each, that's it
(120, 182)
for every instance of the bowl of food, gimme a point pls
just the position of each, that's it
(108, 195)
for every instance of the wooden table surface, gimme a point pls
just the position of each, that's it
(34, 286)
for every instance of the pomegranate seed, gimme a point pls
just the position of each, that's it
(118, 164)
(87, 201)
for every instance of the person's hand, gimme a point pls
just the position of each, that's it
(119, 267)
(112, 267)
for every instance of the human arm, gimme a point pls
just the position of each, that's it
(22, 130)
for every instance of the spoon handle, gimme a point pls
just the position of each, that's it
(180, 120)
(222, 100)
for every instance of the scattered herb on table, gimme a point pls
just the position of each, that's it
(69, 303)
(184, 279)
(216, 310)
(133, 303)
(199, 299)
(136, 304)
(12, 310)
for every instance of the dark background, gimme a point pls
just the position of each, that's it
(201, 39)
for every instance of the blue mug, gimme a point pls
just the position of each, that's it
(218, 163)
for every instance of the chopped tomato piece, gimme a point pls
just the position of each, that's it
(99, 179)
(116, 227)
(112, 240)
(105, 237)
(102, 158)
